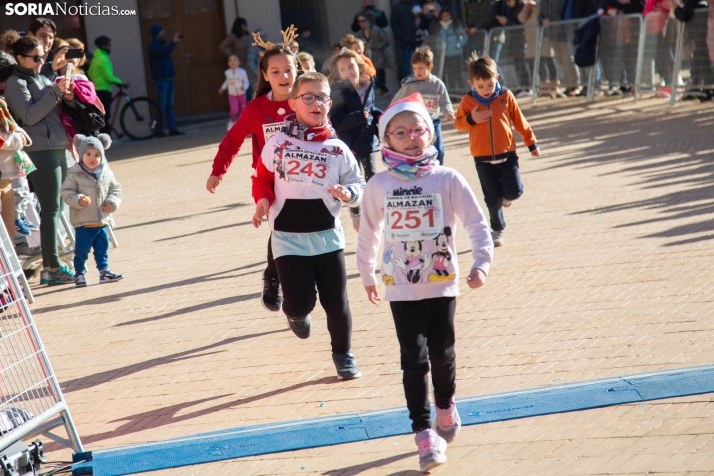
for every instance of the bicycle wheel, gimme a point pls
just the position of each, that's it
(140, 118)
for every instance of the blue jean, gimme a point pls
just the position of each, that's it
(87, 238)
(165, 98)
(499, 181)
(406, 51)
(439, 144)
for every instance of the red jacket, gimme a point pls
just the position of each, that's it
(262, 118)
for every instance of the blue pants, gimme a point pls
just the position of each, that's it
(439, 144)
(499, 181)
(406, 51)
(86, 239)
(165, 98)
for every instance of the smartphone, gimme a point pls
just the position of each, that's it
(74, 53)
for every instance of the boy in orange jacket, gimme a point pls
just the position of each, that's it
(487, 113)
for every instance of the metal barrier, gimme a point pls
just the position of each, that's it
(618, 50)
(31, 397)
(692, 59)
(558, 36)
(508, 43)
(658, 39)
(14, 261)
(451, 52)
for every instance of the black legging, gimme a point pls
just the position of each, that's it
(299, 275)
(425, 330)
(106, 98)
(47, 182)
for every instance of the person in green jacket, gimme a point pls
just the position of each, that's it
(101, 73)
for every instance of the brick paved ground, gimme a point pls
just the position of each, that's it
(606, 272)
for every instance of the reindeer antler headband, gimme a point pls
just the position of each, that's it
(288, 36)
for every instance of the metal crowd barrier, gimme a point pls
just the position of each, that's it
(508, 44)
(634, 54)
(31, 401)
(14, 261)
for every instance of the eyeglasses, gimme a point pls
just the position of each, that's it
(401, 133)
(311, 98)
(37, 58)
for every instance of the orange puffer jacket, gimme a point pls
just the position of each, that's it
(494, 139)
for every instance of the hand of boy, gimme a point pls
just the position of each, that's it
(535, 152)
(84, 200)
(340, 192)
(106, 208)
(261, 210)
(372, 294)
(481, 116)
(476, 278)
(366, 114)
(213, 183)
(450, 116)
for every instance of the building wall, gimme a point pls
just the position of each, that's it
(127, 53)
(263, 14)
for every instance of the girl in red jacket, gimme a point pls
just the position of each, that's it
(262, 118)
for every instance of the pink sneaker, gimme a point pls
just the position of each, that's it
(448, 422)
(432, 449)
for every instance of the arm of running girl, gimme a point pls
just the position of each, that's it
(467, 209)
(227, 151)
(369, 238)
(263, 188)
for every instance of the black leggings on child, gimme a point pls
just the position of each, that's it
(299, 275)
(425, 330)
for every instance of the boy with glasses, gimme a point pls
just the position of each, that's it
(303, 178)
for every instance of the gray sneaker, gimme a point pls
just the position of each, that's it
(346, 365)
(499, 237)
(432, 449)
(301, 327)
(447, 422)
(23, 250)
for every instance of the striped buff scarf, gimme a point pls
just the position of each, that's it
(406, 167)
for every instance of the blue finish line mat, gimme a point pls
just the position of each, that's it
(347, 428)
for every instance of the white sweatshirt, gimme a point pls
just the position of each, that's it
(236, 82)
(419, 259)
(294, 176)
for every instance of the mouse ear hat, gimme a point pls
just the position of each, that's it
(289, 36)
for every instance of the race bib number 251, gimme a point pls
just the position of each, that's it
(413, 217)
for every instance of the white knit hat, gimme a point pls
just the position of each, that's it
(413, 103)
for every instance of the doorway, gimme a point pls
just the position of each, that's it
(198, 62)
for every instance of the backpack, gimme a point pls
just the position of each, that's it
(87, 118)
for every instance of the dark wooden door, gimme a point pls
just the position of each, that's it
(198, 62)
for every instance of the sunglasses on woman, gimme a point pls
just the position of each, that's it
(37, 58)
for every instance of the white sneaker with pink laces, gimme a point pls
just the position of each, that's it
(432, 449)
(447, 422)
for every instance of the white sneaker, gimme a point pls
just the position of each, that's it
(507, 203)
(447, 422)
(524, 93)
(499, 238)
(432, 449)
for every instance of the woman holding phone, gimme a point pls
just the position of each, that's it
(35, 101)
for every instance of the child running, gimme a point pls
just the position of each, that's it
(487, 113)
(354, 114)
(92, 194)
(262, 118)
(305, 175)
(432, 90)
(237, 85)
(415, 204)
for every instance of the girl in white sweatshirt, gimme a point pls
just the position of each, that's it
(415, 204)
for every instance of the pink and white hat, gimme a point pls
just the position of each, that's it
(413, 103)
